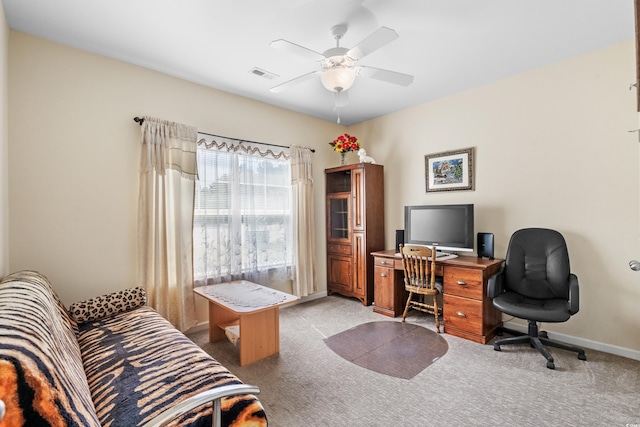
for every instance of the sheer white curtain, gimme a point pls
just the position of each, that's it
(165, 219)
(304, 237)
(242, 214)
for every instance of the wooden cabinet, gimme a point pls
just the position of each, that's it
(467, 311)
(388, 298)
(355, 228)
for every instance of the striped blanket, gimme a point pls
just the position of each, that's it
(118, 370)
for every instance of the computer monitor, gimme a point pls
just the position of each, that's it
(447, 227)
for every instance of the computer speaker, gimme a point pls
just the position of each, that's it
(485, 245)
(399, 239)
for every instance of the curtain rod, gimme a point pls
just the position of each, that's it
(140, 120)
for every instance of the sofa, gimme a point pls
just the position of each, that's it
(109, 361)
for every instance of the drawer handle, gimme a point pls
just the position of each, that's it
(461, 313)
(461, 282)
(383, 275)
(383, 262)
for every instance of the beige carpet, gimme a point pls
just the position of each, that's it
(309, 385)
(398, 349)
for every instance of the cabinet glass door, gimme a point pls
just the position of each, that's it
(339, 217)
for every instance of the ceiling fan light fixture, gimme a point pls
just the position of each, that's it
(338, 79)
(338, 73)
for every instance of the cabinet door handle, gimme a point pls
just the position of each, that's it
(461, 313)
(383, 275)
(461, 282)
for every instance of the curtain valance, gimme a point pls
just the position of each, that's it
(246, 147)
(168, 145)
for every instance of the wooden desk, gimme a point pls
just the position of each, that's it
(255, 308)
(467, 311)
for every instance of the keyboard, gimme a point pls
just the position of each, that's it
(445, 255)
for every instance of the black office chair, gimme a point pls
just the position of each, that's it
(536, 284)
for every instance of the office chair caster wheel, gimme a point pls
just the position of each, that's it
(551, 365)
(582, 356)
(496, 347)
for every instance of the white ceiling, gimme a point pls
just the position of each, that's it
(448, 45)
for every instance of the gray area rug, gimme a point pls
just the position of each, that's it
(398, 349)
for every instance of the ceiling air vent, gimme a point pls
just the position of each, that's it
(263, 73)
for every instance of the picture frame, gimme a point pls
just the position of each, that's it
(449, 170)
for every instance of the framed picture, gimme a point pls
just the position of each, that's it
(450, 170)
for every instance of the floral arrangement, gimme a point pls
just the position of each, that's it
(345, 143)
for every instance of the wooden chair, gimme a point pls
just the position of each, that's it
(420, 279)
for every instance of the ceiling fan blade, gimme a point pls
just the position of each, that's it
(386, 75)
(341, 98)
(375, 41)
(293, 82)
(296, 49)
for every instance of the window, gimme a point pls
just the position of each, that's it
(242, 214)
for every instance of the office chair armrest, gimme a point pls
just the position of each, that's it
(494, 284)
(574, 294)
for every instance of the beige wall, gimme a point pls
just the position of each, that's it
(74, 150)
(4, 148)
(552, 150)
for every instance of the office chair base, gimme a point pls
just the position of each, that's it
(538, 341)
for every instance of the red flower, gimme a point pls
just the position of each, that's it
(345, 143)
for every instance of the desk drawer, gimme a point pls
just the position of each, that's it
(395, 262)
(462, 313)
(383, 262)
(334, 248)
(463, 282)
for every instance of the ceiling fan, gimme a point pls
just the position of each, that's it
(339, 65)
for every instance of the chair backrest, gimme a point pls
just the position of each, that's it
(419, 270)
(537, 264)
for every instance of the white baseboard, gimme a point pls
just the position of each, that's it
(202, 326)
(581, 342)
(311, 298)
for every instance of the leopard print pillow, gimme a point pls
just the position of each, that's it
(108, 305)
